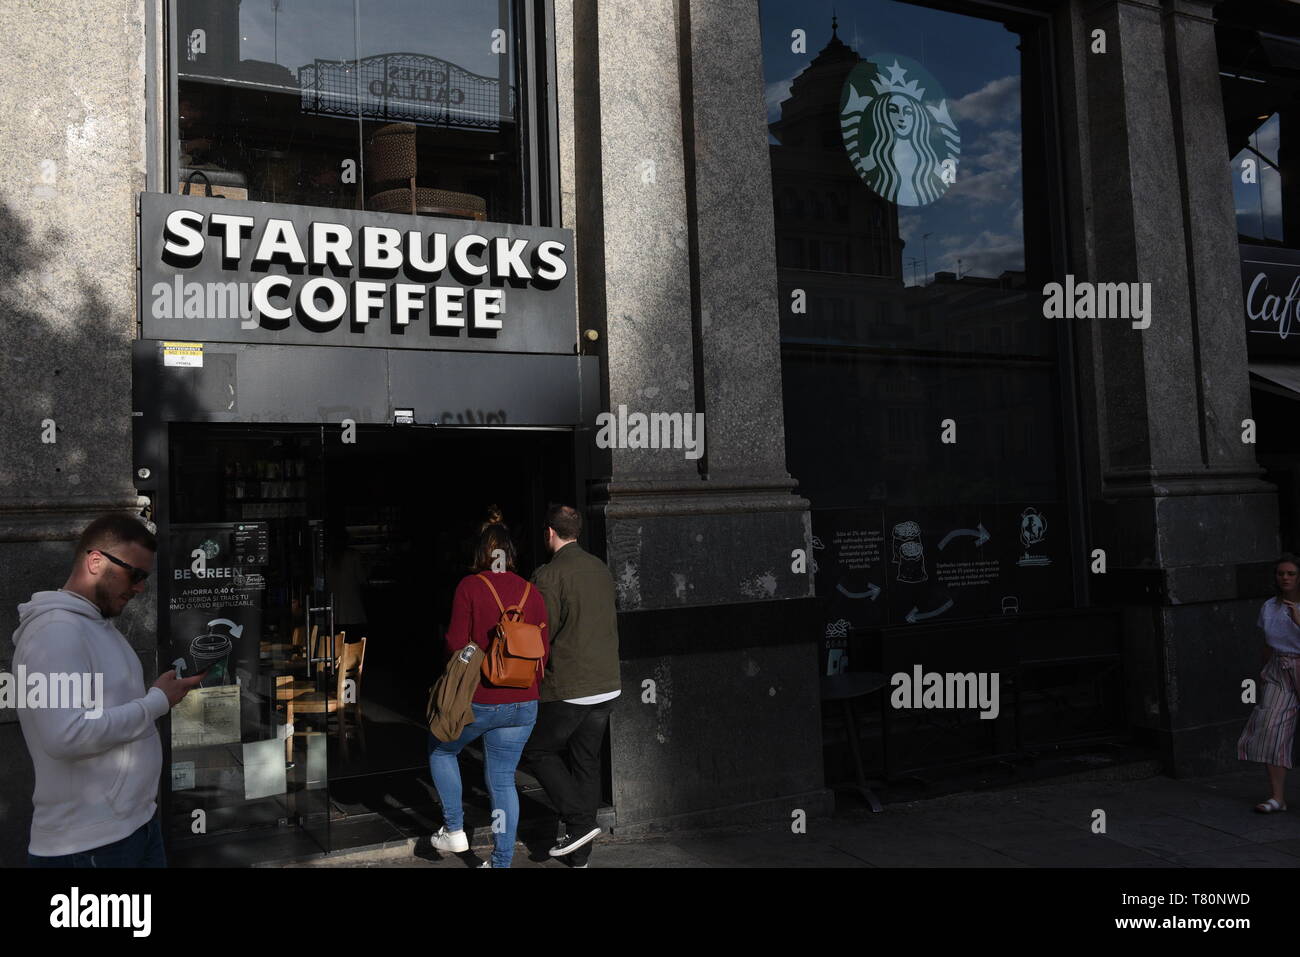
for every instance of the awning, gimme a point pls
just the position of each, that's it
(1279, 378)
(1281, 51)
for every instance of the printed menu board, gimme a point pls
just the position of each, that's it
(915, 564)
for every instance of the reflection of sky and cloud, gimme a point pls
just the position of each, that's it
(1259, 204)
(979, 219)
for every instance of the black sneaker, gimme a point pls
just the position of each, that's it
(568, 844)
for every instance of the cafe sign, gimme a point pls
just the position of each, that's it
(1270, 280)
(219, 270)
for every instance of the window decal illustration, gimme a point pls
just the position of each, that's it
(897, 131)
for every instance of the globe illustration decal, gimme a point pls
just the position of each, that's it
(1033, 529)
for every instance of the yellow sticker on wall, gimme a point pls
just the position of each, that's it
(183, 354)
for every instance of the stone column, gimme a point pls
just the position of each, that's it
(676, 271)
(72, 89)
(1178, 505)
(735, 248)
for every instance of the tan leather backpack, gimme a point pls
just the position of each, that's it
(515, 656)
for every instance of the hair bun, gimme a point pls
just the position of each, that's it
(494, 516)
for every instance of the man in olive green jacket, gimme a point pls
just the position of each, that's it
(580, 684)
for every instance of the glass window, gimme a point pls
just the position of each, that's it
(925, 406)
(1260, 77)
(406, 106)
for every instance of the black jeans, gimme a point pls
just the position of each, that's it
(142, 848)
(573, 786)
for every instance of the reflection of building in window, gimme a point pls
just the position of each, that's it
(406, 86)
(828, 221)
(301, 129)
(1259, 71)
(873, 365)
(1257, 183)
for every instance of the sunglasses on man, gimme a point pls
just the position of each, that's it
(137, 574)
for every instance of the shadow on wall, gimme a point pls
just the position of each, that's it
(65, 376)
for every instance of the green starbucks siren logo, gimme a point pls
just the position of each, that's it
(898, 133)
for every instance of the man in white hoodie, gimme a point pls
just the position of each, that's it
(97, 762)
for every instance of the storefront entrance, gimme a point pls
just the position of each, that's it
(330, 557)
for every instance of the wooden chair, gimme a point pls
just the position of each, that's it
(351, 665)
(296, 642)
(351, 661)
(391, 158)
(320, 644)
(284, 705)
(297, 687)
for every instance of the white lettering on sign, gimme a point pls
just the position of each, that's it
(549, 253)
(445, 300)
(381, 248)
(232, 230)
(367, 297)
(181, 235)
(415, 253)
(323, 276)
(182, 574)
(460, 255)
(508, 258)
(487, 302)
(1263, 306)
(262, 292)
(278, 238)
(330, 240)
(409, 298)
(337, 301)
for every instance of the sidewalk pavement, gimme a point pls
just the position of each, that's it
(1152, 822)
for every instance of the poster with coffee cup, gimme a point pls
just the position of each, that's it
(215, 608)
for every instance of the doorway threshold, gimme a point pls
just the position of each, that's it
(374, 837)
(364, 825)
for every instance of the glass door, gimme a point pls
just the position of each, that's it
(246, 603)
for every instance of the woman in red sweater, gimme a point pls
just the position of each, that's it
(503, 717)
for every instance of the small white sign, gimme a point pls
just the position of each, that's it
(183, 354)
(183, 776)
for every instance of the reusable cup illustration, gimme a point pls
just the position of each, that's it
(210, 652)
(907, 553)
(911, 562)
(903, 532)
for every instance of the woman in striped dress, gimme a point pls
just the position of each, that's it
(1269, 733)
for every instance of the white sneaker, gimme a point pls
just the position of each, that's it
(484, 864)
(453, 842)
(569, 843)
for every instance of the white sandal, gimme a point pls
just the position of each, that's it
(1271, 806)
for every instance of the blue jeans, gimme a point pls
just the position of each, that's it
(504, 729)
(141, 848)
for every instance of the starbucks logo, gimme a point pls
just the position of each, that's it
(898, 133)
(210, 549)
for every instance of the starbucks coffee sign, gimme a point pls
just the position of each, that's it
(227, 271)
(897, 131)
